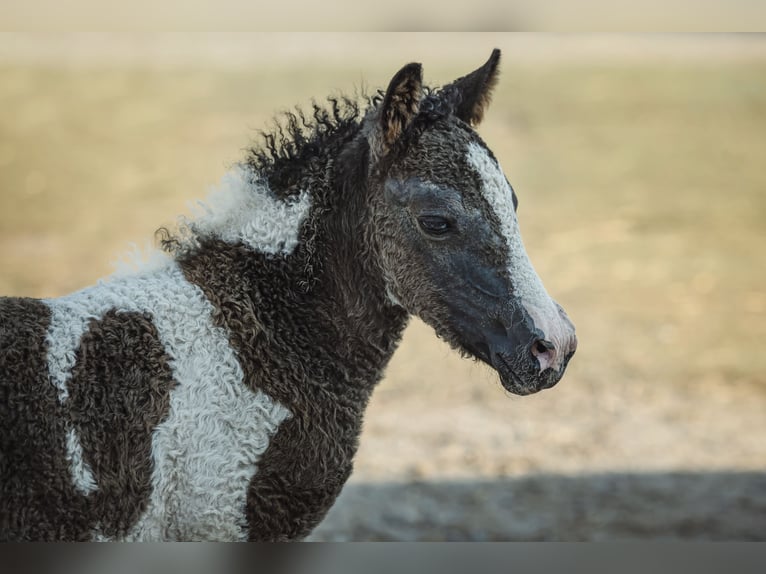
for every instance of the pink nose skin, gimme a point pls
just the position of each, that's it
(558, 342)
(549, 356)
(544, 352)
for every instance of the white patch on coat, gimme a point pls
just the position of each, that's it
(245, 211)
(137, 260)
(526, 283)
(82, 475)
(205, 452)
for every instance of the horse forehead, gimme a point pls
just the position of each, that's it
(439, 149)
(494, 187)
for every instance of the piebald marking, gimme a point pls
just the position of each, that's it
(240, 211)
(206, 451)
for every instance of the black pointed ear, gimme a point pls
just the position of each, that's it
(475, 90)
(400, 104)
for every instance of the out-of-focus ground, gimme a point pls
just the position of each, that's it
(640, 164)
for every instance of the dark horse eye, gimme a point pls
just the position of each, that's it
(434, 224)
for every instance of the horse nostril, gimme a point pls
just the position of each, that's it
(544, 352)
(541, 347)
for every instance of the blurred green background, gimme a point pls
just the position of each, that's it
(640, 165)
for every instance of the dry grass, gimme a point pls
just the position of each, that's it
(643, 206)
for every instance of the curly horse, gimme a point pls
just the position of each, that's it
(218, 392)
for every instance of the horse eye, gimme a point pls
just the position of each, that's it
(434, 224)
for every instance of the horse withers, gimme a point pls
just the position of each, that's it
(218, 392)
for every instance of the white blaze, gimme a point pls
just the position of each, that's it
(526, 283)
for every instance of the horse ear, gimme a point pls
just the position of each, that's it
(475, 90)
(401, 103)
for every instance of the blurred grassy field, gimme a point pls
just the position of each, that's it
(642, 186)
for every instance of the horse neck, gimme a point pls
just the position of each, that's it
(299, 268)
(350, 279)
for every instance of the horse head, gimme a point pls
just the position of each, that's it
(447, 233)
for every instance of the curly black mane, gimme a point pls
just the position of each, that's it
(300, 142)
(294, 156)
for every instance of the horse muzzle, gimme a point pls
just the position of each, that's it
(535, 348)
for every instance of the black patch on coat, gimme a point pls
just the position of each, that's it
(37, 498)
(119, 392)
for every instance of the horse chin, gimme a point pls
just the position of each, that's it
(501, 363)
(513, 383)
(510, 381)
(519, 385)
